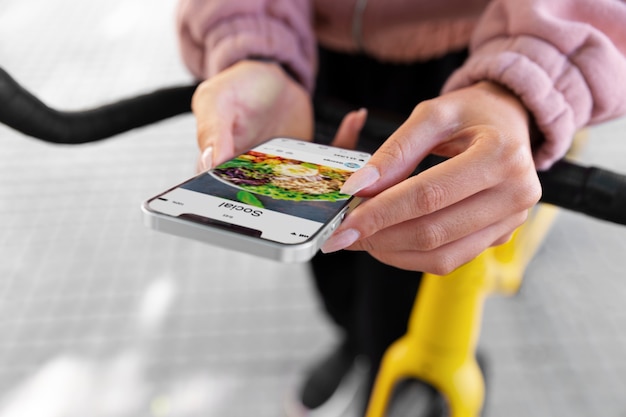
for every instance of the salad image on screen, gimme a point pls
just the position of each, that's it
(282, 178)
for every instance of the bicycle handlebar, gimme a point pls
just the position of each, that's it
(597, 192)
(26, 113)
(593, 191)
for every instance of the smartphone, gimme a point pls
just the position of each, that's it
(279, 200)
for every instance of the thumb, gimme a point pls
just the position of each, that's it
(215, 139)
(398, 156)
(347, 134)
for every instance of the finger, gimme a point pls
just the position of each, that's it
(216, 143)
(214, 124)
(432, 190)
(450, 224)
(446, 259)
(503, 239)
(398, 156)
(200, 165)
(348, 132)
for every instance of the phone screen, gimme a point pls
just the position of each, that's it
(283, 190)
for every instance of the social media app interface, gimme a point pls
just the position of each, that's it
(282, 190)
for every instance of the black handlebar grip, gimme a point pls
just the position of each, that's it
(589, 190)
(24, 112)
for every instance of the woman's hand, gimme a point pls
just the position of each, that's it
(245, 104)
(447, 215)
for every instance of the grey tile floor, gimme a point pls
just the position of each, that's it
(100, 316)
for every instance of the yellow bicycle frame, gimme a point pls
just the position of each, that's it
(440, 343)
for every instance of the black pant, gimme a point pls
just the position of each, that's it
(368, 300)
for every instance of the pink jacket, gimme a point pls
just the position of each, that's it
(565, 59)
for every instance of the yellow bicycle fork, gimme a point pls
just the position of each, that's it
(444, 327)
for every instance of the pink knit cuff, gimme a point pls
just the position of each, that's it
(555, 91)
(248, 37)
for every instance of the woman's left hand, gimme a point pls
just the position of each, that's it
(445, 216)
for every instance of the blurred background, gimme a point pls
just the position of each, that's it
(100, 316)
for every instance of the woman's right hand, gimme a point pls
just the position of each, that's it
(246, 104)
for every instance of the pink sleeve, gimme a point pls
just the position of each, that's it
(216, 34)
(565, 59)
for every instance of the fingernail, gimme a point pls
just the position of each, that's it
(340, 240)
(207, 158)
(361, 179)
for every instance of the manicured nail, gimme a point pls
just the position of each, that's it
(207, 158)
(361, 179)
(340, 240)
